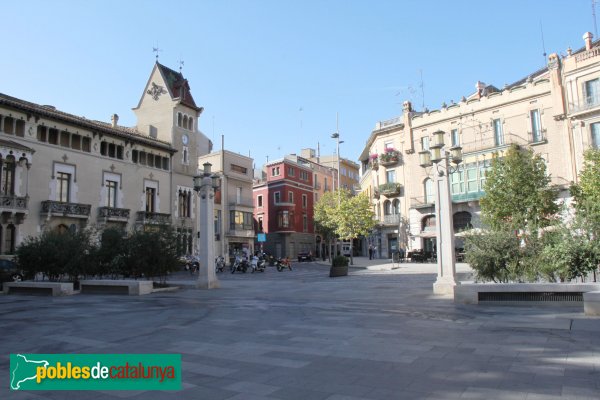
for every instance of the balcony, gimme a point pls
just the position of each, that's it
(241, 233)
(392, 219)
(152, 218)
(422, 202)
(587, 104)
(594, 52)
(390, 189)
(489, 144)
(61, 209)
(233, 204)
(390, 157)
(466, 197)
(13, 203)
(113, 214)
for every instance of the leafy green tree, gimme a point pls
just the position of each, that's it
(324, 217)
(112, 252)
(518, 193)
(353, 217)
(587, 194)
(151, 253)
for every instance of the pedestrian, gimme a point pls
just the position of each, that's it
(401, 254)
(370, 252)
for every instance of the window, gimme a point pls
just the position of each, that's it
(536, 129)
(238, 195)
(191, 124)
(185, 203)
(53, 136)
(387, 207)
(471, 174)
(259, 200)
(217, 224)
(20, 128)
(388, 145)
(596, 135)
(291, 171)
(425, 143)
(150, 199)
(498, 135)
(179, 119)
(76, 142)
(9, 240)
(111, 194)
(9, 125)
(304, 223)
(304, 201)
(240, 220)
(260, 224)
(185, 159)
(396, 206)
(8, 176)
(42, 133)
(429, 223)
(592, 92)
(290, 197)
(457, 181)
(304, 175)
(428, 187)
(277, 197)
(461, 221)
(454, 137)
(63, 183)
(390, 176)
(284, 219)
(275, 171)
(240, 169)
(65, 139)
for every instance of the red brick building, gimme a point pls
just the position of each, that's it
(283, 207)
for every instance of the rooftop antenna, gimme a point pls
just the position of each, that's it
(543, 43)
(156, 50)
(594, 16)
(422, 86)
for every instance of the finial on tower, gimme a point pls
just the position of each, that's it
(156, 50)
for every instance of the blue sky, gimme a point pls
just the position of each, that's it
(272, 74)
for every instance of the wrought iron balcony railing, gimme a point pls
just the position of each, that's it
(113, 214)
(390, 189)
(75, 210)
(144, 217)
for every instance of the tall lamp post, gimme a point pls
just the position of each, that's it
(441, 158)
(205, 184)
(336, 136)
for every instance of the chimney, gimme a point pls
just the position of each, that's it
(115, 120)
(588, 40)
(480, 86)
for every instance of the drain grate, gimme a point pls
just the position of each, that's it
(530, 296)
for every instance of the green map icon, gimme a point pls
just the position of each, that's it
(23, 369)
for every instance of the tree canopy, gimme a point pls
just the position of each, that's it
(518, 193)
(587, 193)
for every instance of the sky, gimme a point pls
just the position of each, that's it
(277, 76)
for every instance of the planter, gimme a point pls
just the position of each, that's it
(337, 270)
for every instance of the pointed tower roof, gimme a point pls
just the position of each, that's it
(178, 86)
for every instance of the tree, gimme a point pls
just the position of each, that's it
(518, 194)
(324, 217)
(587, 194)
(353, 216)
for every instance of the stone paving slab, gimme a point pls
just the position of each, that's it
(376, 334)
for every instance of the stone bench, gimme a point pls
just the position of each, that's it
(591, 303)
(523, 293)
(126, 287)
(39, 288)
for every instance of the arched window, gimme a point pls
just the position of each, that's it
(179, 119)
(191, 124)
(396, 206)
(387, 207)
(461, 221)
(428, 187)
(428, 223)
(7, 181)
(185, 121)
(9, 237)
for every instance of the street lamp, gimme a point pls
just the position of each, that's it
(336, 136)
(441, 158)
(206, 184)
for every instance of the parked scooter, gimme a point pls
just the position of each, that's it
(257, 264)
(240, 264)
(282, 263)
(219, 264)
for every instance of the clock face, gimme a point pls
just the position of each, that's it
(185, 139)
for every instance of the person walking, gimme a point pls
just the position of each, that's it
(370, 252)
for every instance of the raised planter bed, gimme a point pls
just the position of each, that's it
(523, 293)
(125, 287)
(39, 288)
(591, 303)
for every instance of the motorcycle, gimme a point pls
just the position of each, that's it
(219, 264)
(240, 264)
(257, 264)
(282, 263)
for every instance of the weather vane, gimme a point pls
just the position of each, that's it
(156, 50)
(180, 65)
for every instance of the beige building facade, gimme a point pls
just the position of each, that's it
(66, 172)
(234, 223)
(552, 111)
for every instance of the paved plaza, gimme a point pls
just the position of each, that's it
(379, 333)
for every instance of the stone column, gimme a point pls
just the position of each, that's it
(207, 277)
(446, 279)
